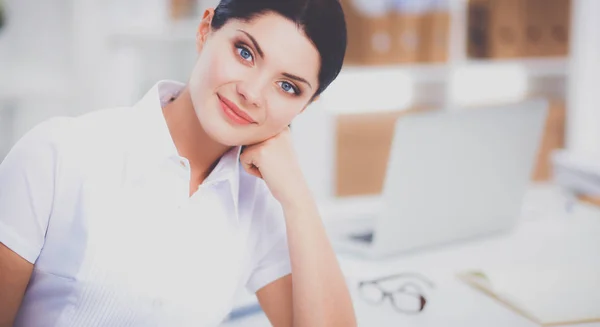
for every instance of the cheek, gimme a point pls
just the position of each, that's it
(282, 111)
(213, 69)
(222, 70)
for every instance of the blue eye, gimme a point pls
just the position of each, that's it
(288, 88)
(244, 53)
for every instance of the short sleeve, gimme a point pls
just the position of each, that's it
(27, 178)
(272, 253)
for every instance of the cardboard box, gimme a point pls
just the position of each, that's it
(369, 36)
(557, 24)
(478, 28)
(363, 143)
(407, 36)
(507, 28)
(553, 139)
(182, 9)
(435, 37)
(593, 200)
(536, 34)
(547, 28)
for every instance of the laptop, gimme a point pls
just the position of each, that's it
(452, 175)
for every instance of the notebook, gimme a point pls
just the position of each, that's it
(549, 296)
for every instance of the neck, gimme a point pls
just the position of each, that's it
(190, 139)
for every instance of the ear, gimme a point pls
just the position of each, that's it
(204, 28)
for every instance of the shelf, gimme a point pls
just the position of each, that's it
(533, 67)
(360, 89)
(484, 82)
(393, 87)
(180, 31)
(36, 86)
(185, 31)
(418, 72)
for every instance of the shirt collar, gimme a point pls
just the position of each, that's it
(154, 138)
(155, 141)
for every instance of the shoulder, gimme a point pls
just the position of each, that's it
(65, 138)
(60, 131)
(45, 139)
(104, 125)
(97, 133)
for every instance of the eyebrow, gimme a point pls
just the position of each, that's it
(297, 78)
(262, 55)
(258, 49)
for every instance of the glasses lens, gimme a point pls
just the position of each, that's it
(371, 293)
(408, 302)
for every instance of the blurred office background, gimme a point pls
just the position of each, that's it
(67, 57)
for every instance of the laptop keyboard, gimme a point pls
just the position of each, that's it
(366, 237)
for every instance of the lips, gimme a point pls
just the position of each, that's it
(233, 112)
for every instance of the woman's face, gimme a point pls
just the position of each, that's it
(252, 78)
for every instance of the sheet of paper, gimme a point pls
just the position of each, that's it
(548, 295)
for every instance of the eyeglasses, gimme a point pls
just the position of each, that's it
(408, 298)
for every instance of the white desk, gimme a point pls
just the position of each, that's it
(547, 234)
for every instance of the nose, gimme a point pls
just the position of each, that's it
(252, 92)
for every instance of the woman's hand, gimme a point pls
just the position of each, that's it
(274, 160)
(319, 294)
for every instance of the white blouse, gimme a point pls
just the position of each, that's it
(100, 204)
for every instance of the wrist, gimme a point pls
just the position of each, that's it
(300, 199)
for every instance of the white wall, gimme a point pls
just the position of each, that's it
(37, 34)
(35, 56)
(583, 120)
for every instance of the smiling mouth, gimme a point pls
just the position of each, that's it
(234, 113)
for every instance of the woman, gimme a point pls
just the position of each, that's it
(155, 215)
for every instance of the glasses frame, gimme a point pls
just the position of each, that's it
(407, 288)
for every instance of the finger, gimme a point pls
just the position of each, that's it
(248, 164)
(246, 157)
(255, 172)
(252, 170)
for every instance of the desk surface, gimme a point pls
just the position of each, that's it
(549, 233)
